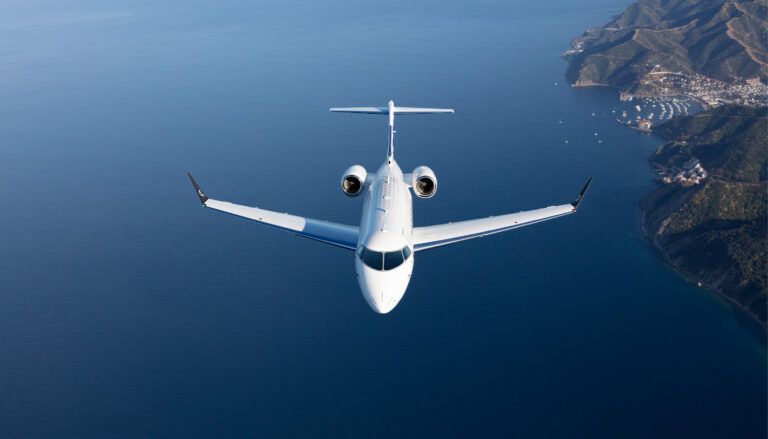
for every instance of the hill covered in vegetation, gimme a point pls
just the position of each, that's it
(724, 40)
(716, 231)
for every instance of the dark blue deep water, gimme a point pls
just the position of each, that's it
(128, 310)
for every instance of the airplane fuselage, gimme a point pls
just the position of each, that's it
(384, 256)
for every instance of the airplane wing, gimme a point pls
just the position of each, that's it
(444, 234)
(330, 233)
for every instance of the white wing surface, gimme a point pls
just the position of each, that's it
(331, 233)
(435, 236)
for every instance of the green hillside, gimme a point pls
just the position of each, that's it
(724, 40)
(716, 231)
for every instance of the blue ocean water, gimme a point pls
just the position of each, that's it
(128, 310)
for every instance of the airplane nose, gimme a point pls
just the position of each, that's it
(382, 303)
(382, 290)
(376, 292)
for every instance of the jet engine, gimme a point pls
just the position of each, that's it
(353, 181)
(424, 182)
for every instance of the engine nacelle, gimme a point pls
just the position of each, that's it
(424, 182)
(353, 180)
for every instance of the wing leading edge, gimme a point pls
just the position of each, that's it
(435, 236)
(330, 233)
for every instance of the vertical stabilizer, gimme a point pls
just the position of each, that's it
(391, 146)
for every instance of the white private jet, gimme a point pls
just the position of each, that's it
(385, 241)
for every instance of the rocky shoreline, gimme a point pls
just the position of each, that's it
(690, 277)
(713, 228)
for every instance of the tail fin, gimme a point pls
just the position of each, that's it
(391, 110)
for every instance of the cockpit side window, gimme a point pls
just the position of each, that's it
(371, 258)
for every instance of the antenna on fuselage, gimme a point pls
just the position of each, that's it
(391, 110)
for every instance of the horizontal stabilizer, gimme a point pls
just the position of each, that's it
(391, 110)
(417, 110)
(385, 110)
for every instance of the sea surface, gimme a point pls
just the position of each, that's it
(128, 310)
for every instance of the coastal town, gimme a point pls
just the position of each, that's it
(750, 92)
(665, 95)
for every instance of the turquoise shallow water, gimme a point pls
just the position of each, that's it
(126, 309)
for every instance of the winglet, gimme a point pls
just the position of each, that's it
(578, 199)
(203, 198)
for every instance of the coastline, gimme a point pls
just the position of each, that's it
(736, 306)
(663, 255)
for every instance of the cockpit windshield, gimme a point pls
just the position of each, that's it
(383, 261)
